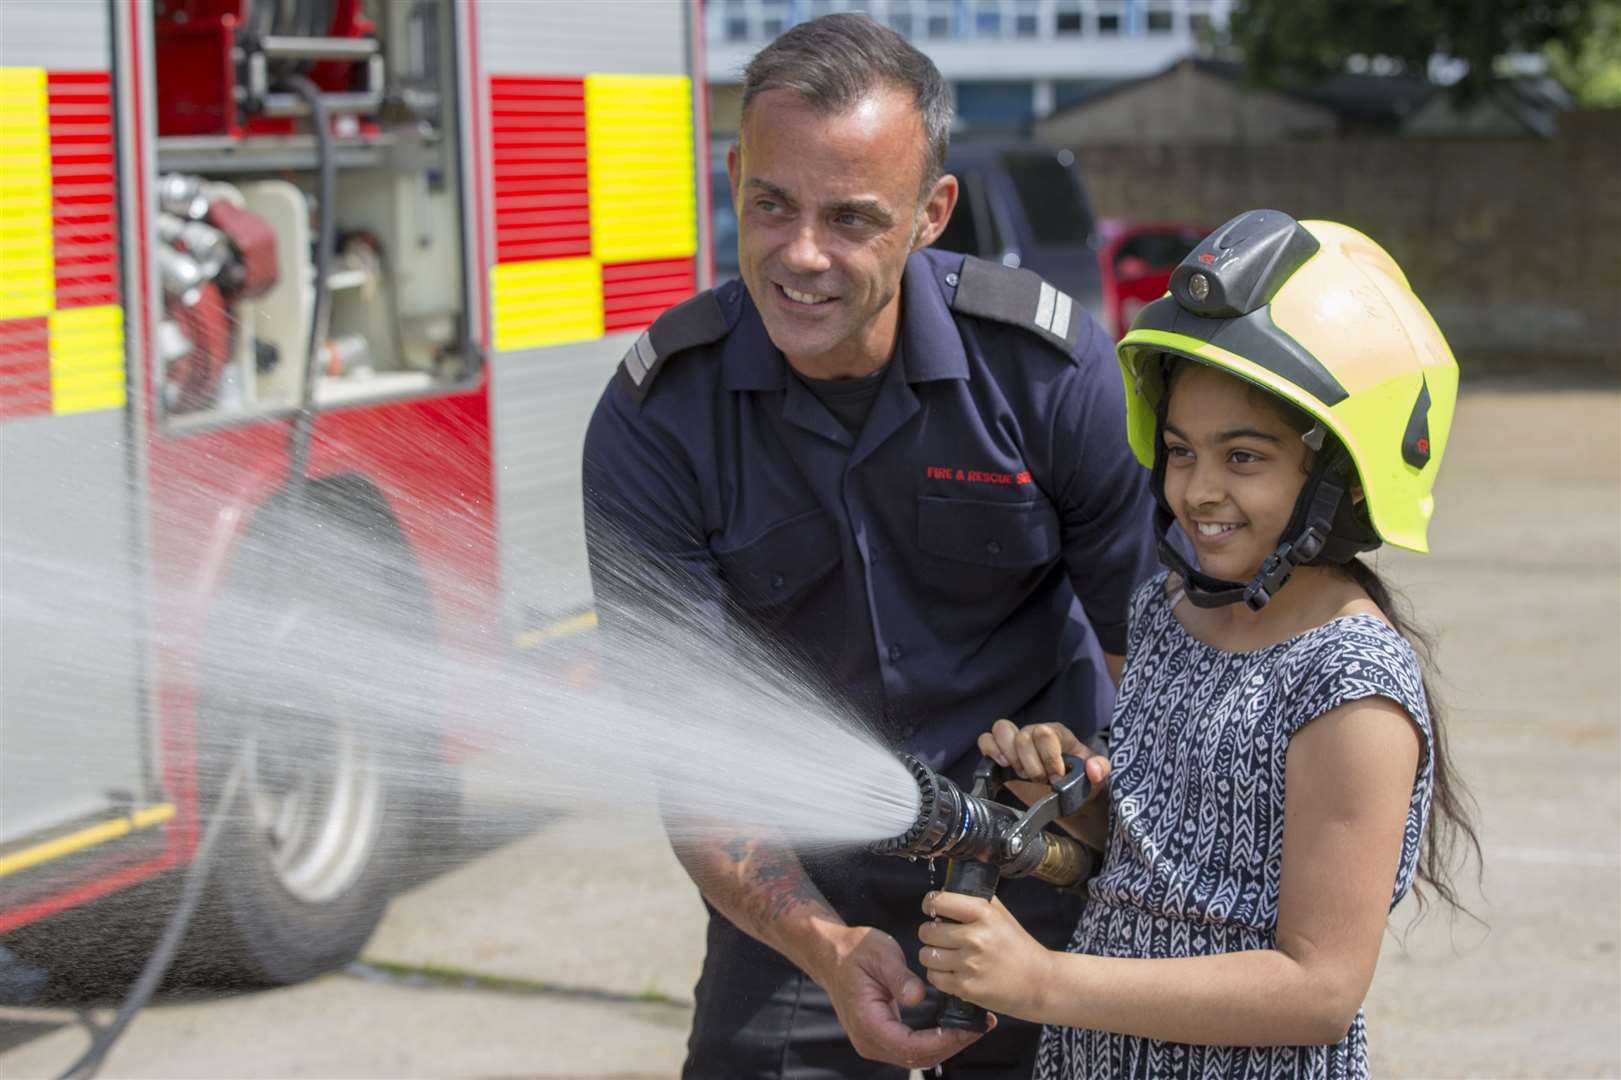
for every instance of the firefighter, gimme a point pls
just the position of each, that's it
(909, 469)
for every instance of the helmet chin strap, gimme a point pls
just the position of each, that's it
(1323, 527)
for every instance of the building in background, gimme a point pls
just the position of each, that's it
(1010, 62)
(1201, 100)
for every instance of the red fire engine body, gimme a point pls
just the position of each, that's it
(516, 192)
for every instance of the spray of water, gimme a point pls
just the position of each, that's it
(347, 665)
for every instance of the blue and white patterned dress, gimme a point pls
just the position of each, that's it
(1198, 745)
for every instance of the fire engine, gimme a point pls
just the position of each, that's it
(361, 265)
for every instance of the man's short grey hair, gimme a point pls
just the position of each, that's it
(834, 62)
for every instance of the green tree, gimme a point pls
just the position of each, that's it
(1591, 67)
(1303, 40)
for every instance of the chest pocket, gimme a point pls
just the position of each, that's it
(1008, 536)
(782, 564)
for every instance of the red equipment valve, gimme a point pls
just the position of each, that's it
(193, 378)
(254, 243)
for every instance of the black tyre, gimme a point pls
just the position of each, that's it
(318, 676)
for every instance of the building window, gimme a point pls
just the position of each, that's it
(1026, 26)
(771, 26)
(1159, 21)
(901, 23)
(1109, 24)
(1067, 92)
(995, 105)
(1068, 22)
(1199, 26)
(987, 22)
(737, 28)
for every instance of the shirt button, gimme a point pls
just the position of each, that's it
(951, 279)
(895, 652)
(776, 581)
(994, 547)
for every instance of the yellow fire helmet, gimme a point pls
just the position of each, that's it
(1320, 315)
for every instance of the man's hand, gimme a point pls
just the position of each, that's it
(868, 981)
(764, 891)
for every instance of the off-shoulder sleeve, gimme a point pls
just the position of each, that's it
(1362, 657)
(1357, 658)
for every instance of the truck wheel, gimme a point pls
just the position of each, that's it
(314, 677)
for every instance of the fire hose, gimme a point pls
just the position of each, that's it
(157, 965)
(985, 840)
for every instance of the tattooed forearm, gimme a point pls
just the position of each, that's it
(777, 885)
(758, 885)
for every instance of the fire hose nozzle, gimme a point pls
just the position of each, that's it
(971, 825)
(985, 840)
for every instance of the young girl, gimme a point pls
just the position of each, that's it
(1275, 755)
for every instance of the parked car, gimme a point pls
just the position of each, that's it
(1023, 205)
(1136, 260)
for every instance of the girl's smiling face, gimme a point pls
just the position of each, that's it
(1233, 469)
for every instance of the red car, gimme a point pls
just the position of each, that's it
(1136, 260)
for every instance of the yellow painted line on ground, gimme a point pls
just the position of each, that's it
(86, 838)
(579, 624)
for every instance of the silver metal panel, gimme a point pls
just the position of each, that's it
(636, 37)
(70, 738)
(542, 400)
(68, 35)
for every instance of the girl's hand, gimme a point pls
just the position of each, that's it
(1035, 753)
(984, 955)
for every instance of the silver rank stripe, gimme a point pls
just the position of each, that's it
(1052, 311)
(640, 358)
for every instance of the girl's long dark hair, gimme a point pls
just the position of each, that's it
(1451, 838)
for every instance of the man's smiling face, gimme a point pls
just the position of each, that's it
(828, 210)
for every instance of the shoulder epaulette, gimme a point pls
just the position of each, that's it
(696, 321)
(1020, 298)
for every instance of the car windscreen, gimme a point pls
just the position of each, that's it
(962, 231)
(1050, 197)
(723, 223)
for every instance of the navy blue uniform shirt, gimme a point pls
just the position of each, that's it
(962, 559)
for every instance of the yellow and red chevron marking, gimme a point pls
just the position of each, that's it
(61, 323)
(596, 216)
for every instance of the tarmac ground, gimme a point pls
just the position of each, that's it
(570, 946)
